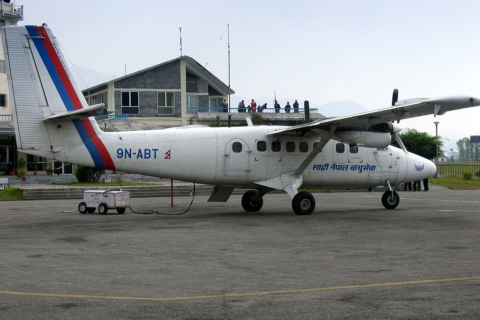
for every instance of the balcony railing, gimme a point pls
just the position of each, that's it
(113, 117)
(6, 117)
(11, 8)
(236, 110)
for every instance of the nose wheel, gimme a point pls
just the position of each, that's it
(390, 199)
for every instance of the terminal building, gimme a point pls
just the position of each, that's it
(177, 92)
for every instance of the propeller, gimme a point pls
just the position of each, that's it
(394, 97)
(396, 129)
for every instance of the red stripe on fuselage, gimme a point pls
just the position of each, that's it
(107, 159)
(59, 67)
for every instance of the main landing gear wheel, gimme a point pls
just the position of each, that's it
(390, 199)
(303, 203)
(249, 204)
(82, 207)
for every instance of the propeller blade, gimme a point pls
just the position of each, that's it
(400, 142)
(394, 97)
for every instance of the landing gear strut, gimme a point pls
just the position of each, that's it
(249, 204)
(303, 203)
(390, 199)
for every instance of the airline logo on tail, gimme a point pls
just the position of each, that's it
(64, 86)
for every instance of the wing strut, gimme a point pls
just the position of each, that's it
(311, 156)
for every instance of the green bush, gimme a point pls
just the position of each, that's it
(467, 175)
(86, 174)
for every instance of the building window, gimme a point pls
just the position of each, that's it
(353, 149)
(3, 154)
(42, 163)
(191, 83)
(290, 146)
(215, 103)
(3, 100)
(340, 148)
(166, 103)
(2, 66)
(237, 147)
(192, 102)
(303, 146)
(130, 103)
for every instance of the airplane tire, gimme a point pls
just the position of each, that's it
(389, 200)
(90, 210)
(250, 205)
(82, 207)
(303, 203)
(102, 208)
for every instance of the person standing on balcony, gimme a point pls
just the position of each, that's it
(225, 105)
(288, 107)
(241, 107)
(295, 106)
(277, 107)
(254, 106)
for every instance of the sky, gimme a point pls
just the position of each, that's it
(321, 51)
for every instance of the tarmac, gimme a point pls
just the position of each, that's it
(350, 259)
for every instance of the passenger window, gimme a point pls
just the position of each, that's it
(353, 149)
(276, 146)
(315, 144)
(303, 147)
(340, 147)
(290, 146)
(262, 146)
(237, 147)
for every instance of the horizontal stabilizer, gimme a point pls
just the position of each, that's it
(91, 111)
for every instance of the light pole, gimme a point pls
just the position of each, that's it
(436, 140)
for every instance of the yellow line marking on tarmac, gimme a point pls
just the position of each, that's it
(247, 294)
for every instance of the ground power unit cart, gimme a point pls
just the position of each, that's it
(104, 200)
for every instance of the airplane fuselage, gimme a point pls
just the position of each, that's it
(241, 156)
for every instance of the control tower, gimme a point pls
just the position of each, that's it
(10, 14)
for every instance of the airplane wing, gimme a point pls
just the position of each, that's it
(404, 109)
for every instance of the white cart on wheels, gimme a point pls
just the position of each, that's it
(104, 200)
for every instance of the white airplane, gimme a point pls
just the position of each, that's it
(52, 120)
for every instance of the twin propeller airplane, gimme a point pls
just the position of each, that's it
(52, 120)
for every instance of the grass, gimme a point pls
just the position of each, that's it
(457, 183)
(103, 184)
(11, 194)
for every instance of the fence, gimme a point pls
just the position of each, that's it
(112, 117)
(457, 170)
(236, 110)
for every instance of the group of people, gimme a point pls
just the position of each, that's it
(416, 186)
(252, 107)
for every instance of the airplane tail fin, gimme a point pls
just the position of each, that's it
(49, 111)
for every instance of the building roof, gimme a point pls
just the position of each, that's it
(192, 65)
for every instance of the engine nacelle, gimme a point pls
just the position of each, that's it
(364, 138)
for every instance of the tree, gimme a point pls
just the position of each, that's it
(420, 143)
(465, 149)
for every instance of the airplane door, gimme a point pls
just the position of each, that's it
(237, 158)
(387, 163)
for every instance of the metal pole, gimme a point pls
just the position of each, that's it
(181, 53)
(228, 33)
(436, 140)
(171, 193)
